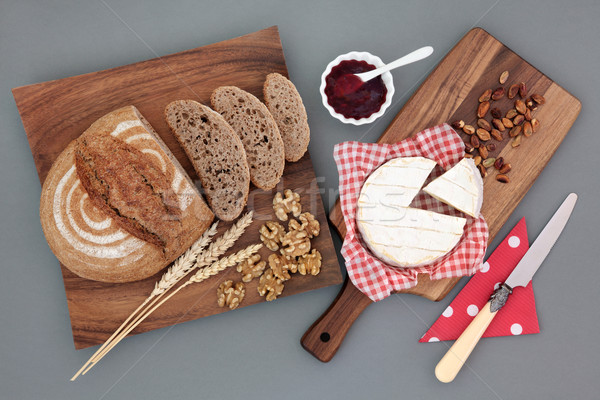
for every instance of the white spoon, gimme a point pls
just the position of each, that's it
(416, 55)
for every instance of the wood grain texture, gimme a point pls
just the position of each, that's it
(56, 112)
(451, 92)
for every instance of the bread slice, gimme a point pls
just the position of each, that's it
(286, 106)
(217, 155)
(127, 210)
(257, 129)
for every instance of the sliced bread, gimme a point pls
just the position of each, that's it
(286, 106)
(257, 129)
(217, 155)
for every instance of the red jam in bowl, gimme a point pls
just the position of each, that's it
(348, 95)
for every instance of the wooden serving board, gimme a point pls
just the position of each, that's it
(56, 112)
(450, 93)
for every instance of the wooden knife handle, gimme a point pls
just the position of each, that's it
(452, 362)
(325, 336)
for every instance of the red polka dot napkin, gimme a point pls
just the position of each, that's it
(517, 317)
(355, 161)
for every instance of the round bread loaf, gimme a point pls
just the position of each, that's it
(116, 205)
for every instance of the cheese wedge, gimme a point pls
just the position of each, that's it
(407, 237)
(461, 187)
(396, 182)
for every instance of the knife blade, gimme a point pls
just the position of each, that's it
(452, 362)
(538, 251)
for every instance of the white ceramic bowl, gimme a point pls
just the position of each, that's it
(387, 80)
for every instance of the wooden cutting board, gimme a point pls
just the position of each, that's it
(450, 93)
(56, 112)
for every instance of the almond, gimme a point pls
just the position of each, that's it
(482, 123)
(495, 133)
(528, 115)
(511, 113)
(468, 129)
(535, 125)
(507, 123)
(502, 178)
(485, 96)
(505, 169)
(498, 124)
(498, 93)
(515, 131)
(482, 170)
(499, 163)
(513, 90)
(527, 129)
(522, 90)
(477, 160)
(518, 120)
(516, 142)
(503, 77)
(483, 134)
(538, 98)
(520, 106)
(483, 152)
(475, 142)
(483, 109)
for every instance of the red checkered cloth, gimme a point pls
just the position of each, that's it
(355, 161)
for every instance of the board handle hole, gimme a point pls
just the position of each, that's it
(325, 337)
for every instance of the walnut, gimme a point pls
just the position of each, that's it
(282, 266)
(295, 243)
(270, 285)
(271, 234)
(230, 295)
(310, 263)
(288, 203)
(310, 224)
(251, 267)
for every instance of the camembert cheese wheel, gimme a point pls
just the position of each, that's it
(461, 187)
(395, 233)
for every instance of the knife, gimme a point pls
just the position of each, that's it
(452, 362)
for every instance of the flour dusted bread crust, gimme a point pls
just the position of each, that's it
(257, 129)
(116, 205)
(216, 152)
(286, 106)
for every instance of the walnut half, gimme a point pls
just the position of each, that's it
(310, 263)
(295, 243)
(282, 266)
(271, 234)
(308, 223)
(270, 285)
(288, 203)
(251, 267)
(230, 295)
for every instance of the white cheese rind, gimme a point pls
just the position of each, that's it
(397, 181)
(408, 237)
(460, 187)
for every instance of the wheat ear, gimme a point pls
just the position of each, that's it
(199, 276)
(174, 274)
(211, 254)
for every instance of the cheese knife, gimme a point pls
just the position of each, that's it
(452, 362)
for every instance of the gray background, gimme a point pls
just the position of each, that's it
(255, 352)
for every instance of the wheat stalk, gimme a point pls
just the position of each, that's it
(199, 276)
(183, 266)
(176, 272)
